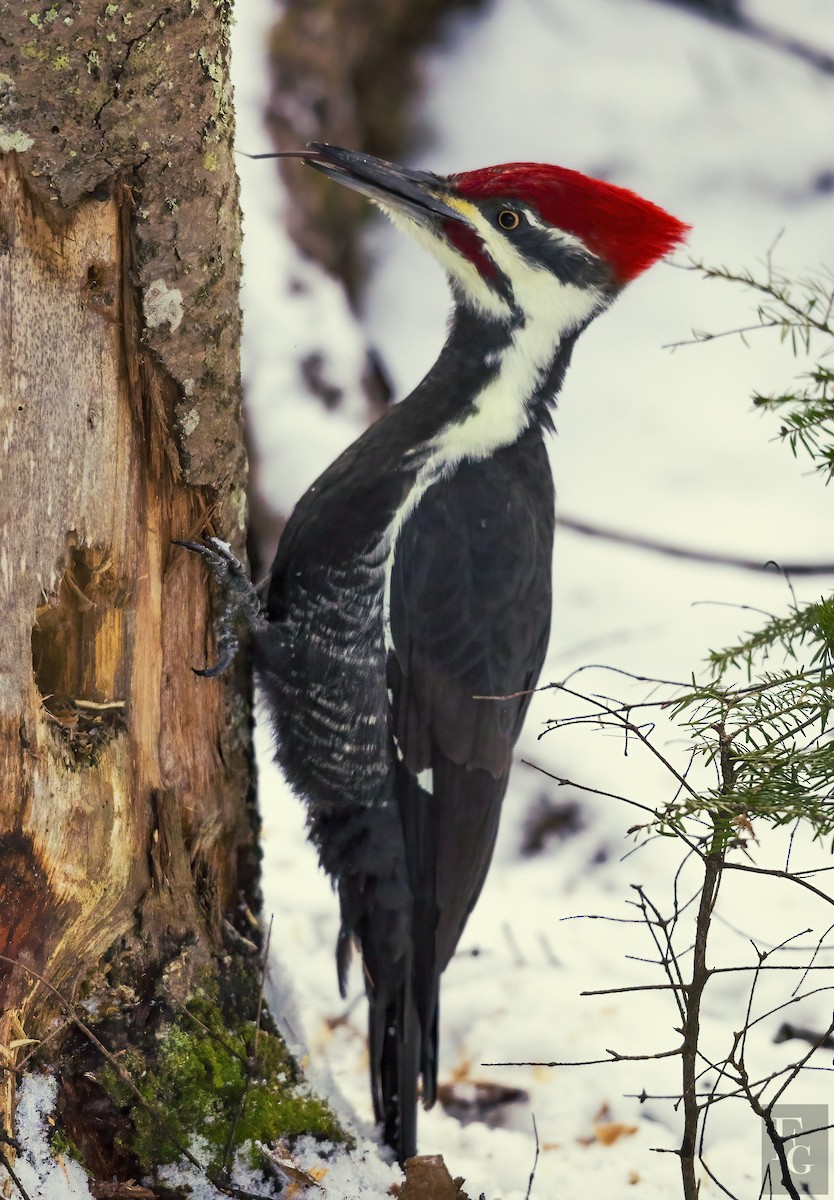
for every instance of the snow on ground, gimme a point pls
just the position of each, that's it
(38, 1170)
(48, 1175)
(729, 135)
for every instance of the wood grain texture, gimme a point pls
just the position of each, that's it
(107, 797)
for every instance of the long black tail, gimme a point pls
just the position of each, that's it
(409, 873)
(364, 848)
(394, 1042)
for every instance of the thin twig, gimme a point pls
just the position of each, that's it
(701, 336)
(671, 550)
(816, 952)
(614, 1057)
(669, 960)
(4, 1160)
(796, 1067)
(638, 987)
(535, 1160)
(563, 781)
(765, 1115)
(252, 1064)
(797, 878)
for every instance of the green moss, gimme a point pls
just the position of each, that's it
(62, 1145)
(198, 1080)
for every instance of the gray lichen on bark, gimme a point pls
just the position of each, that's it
(115, 112)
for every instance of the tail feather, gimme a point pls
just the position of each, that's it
(428, 1060)
(422, 821)
(378, 912)
(394, 1043)
(409, 873)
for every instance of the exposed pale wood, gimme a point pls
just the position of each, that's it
(70, 481)
(90, 503)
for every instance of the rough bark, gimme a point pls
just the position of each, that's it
(125, 834)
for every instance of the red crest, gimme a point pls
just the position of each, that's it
(616, 224)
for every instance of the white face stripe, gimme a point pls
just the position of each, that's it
(551, 311)
(545, 310)
(457, 266)
(560, 236)
(560, 307)
(471, 285)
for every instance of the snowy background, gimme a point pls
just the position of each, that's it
(735, 137)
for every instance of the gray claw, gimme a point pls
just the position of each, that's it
(239, 596)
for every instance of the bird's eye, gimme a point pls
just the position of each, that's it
(508, 219)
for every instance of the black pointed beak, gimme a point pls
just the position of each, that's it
(419, 194)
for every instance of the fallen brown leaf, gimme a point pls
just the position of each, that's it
(612, 1132)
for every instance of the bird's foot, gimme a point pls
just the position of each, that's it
(240, 596)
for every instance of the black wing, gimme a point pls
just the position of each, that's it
(470, 602)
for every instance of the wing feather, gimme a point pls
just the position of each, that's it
(470, 606)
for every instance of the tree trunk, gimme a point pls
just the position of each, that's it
(127, 837)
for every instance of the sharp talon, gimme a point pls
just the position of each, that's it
(240, 599)
(219, 667)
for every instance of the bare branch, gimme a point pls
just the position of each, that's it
(670, 550)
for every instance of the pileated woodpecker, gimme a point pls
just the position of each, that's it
(408, 610)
